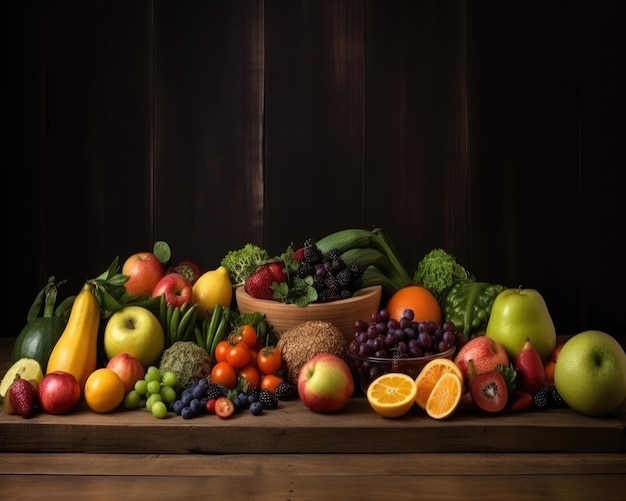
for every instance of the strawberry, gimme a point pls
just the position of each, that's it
(522, 401)
(22, 397)
(299, 254)
(259, 284)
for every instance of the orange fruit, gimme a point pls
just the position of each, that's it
(417, 298)
(430, 375)
(104, 390)
(549, 370)
(392, 395)
(445, 398)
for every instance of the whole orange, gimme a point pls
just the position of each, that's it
(417, 298)
(104, 390)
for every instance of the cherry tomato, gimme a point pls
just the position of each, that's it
(210, 405)
(269, 360)
(247, 334)
(225, 374)
(220, 351)
(238, 355)
(224, 407)
(270, 382)
(253, 356)
(251, 374)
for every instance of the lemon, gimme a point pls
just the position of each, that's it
(212, 287)
(27, 368)
(392, 395)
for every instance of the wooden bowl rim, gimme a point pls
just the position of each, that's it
(365, 292)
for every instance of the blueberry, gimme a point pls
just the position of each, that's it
(256, 408)
(187, 413)
(178, 406)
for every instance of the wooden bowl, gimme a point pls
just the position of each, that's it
(342, 313)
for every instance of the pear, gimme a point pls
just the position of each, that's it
(531, 375)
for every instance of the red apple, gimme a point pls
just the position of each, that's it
(128, 368)
(188, 269)
(486, 354)
(144, 271)
(176, 288)
(58, 392)
(325, 383)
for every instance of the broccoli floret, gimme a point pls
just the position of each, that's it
(438, 271)
(242, 263)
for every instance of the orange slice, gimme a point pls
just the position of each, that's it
(392, 395)
(430, 375)
(445, 398)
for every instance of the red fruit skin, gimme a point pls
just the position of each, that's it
(531, 374)
(522, 402)
(22, 397)
(259, 284)
(188, 269)
(299, 254)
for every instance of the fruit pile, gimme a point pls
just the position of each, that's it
(107, 344)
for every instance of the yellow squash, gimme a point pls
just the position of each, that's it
(76, 351)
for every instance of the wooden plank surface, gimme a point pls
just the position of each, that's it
(308, 476)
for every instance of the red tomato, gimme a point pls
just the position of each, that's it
(220, 351)
(224, 407)
(225, 374)
(238, 355)
(270, 382)
(269, 360)
(253, 356)
(247, 334)
(210, 405)
(251, 374)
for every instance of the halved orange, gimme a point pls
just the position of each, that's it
(392, 395)
(445, 398)
(430, 375)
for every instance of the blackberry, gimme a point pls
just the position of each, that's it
(555, 397)
(305, 269)
(268, 399)
(333, 254)
(286, 391)
(254, 393)
(214, 391)
(345, 293)
(312, 254)
(344, 278)
(541, 399)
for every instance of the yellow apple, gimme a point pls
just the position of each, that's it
(137, 331)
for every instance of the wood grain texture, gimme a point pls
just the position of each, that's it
(310, 476)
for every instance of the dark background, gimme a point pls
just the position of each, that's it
(492, 129)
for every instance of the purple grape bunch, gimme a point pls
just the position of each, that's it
(384, 337)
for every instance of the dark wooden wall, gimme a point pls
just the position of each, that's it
(492, 129)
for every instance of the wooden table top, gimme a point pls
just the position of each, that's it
(293, 453)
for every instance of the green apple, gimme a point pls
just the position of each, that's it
(518, 315)
(590, 373)
(137, 331)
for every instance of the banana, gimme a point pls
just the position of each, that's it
(344, 240)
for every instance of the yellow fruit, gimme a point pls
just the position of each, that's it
(430, 375)
(445, 398)
(27, 368)
(104, 390)
(392, 395)
(213, 287)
